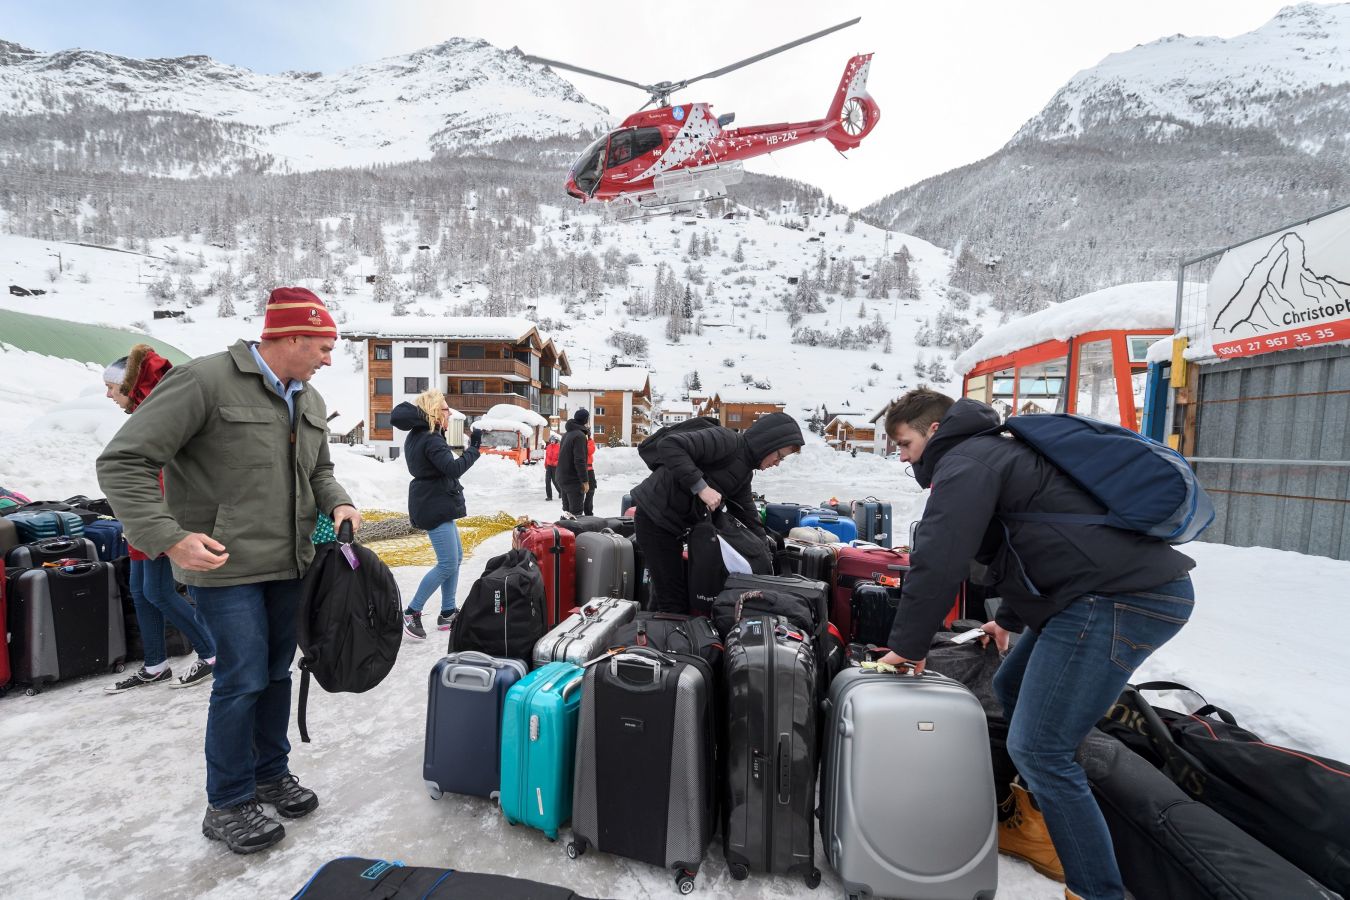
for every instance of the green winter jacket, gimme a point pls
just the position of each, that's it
(234, 468)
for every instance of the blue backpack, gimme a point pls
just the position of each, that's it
(1145, 486)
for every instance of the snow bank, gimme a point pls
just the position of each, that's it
(490, 424)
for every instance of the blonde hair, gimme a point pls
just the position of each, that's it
(430, 402)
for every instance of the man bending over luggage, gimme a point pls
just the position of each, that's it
(1095, 602)
(695, 471)
(243, 443)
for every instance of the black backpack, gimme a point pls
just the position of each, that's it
(350, 621)
(707, 572)
(649, 450)
(504, 612)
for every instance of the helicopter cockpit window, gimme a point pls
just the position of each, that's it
(586, 170)
(645, 140)
(620, 149)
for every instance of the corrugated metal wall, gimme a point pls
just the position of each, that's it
(1286, 412)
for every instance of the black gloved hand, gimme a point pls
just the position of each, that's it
(475, 438)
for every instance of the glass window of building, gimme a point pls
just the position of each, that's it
(1096, 391)
(1042, 387)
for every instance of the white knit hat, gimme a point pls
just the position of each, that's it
(115, 372)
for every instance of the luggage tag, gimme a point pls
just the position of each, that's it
(967, 636)
(350, 555)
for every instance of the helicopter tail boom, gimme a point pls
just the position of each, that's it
(853, 113)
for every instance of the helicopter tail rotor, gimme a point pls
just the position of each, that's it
(853, 113)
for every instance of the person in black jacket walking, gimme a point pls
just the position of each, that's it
(435, 499)
(1095, 601)
(701, 469)
(571, 478)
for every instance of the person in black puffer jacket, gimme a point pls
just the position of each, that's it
(701, 469)
(571, 477)
(435, 499)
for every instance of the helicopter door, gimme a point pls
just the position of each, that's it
(588, 166)
(620, 149)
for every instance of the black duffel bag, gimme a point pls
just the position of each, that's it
(1171, 846)
(1294, 802)
(355, 878)
(707, 570)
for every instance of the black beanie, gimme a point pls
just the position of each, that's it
(581, 416)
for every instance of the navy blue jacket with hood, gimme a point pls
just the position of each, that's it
(1039, 568)
(435, 495)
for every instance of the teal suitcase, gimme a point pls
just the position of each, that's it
(539, 736)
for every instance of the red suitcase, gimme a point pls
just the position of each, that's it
(554, 549)
(870, 563)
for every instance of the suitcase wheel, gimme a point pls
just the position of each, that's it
(119, 668)
(435, 794)
(812, 879)
(32, 691)
(684, 880)
(575, 849)
(739, 872)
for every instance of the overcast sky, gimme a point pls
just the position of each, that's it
(954, 78)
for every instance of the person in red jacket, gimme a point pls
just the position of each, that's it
(550, 466)
(129, 381)
(588, 503)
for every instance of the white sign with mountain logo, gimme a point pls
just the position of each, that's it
(1288, 289)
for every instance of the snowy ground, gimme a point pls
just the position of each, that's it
(104, 793)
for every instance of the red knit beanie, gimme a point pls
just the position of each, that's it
(296, 312)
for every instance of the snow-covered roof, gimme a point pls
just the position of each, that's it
(854, 421)
(512, 413)
(488, 423)
(1144, 305)
(677, 408)
(749, 395)
(620, 378)
(504, 328)
(340, 424)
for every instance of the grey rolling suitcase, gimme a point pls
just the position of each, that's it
(907, 790)
(586, 633)
(45, 550)
(65, 621)
(644, 785)
(605, 565)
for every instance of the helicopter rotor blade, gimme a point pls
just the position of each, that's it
(553, 63)
(766, 54)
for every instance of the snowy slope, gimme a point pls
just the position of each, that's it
(458, 93)
(1208, 80)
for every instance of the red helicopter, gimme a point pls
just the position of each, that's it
(673, 158)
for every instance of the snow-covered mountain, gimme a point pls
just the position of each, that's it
(453, 96)
(1289, 76)
(1157, 154)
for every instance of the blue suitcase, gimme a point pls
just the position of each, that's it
(873, 519)
(107, 537)
(539, 736)
(34, 526)
(464, 718)
(842, 528)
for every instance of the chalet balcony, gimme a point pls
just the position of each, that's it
(477, 404)
(506, 369)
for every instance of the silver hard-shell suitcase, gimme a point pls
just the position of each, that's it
(907, 790)
(605, 565)
(65, 622)
(586, 633)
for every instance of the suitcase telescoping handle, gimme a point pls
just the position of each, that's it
(473, 678)
(646, 657)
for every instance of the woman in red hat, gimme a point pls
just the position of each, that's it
(129, 381)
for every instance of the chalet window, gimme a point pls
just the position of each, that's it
(472, 387)
(598, 429)
(470, 351)
(384, 387)
(382, 421)
(383, 352)
(415, 385)
(416, 353)
(599, 411)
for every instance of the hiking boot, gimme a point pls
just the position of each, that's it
(412, 625)
(244, 827)
(200, 673)
(290, 798)
(444, 620)
(1022, 833)
(139, 678)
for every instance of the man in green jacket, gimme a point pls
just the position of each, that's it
(243, 444)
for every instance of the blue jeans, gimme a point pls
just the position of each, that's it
(1054, 686)
(443, 575)
(254, 628)
(152, 591)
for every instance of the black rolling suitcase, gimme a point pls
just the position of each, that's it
(644, 785)
(1168, 845)
(815, 561)
(768, 813)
